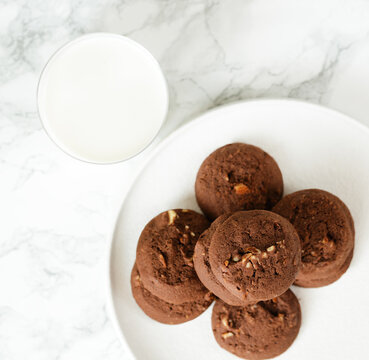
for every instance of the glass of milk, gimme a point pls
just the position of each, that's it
(102, 98)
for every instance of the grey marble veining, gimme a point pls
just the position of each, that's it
(57, 212)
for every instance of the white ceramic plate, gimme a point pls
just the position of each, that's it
(315, 148)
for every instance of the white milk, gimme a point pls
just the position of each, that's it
(102, 98)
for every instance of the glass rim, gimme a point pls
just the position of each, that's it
(126, 39)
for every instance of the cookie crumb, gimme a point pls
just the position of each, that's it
(241, 189)
(172, 215)
(227, 335)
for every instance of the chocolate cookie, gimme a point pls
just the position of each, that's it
(335, 276)
(238, 177)
(164, 256)
(203, 269)
(163, 311)
(255, 255)
(260, 331)
(327, 233)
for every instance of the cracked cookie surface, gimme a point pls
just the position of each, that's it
(259, 331)
(164, 255)
(255, 255)
(326, 231)
(238, 177)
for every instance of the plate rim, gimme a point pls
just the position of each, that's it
(111, 309)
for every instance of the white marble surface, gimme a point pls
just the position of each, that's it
(57, 212)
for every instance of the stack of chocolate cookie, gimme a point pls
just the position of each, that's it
(327, 233)
(164, 282)
(257, 246)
